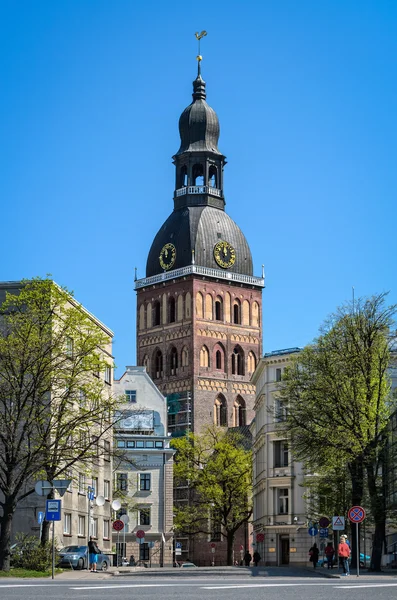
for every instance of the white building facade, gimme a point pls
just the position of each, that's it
(143, 480)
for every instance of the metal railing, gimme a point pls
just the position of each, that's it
(209, 272)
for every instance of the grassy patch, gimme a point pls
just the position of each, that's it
(26, 573)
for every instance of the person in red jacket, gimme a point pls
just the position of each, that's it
(329, 553)
(344, 554)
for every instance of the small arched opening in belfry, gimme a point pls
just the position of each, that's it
(198, 174)
(239, 409)
(171, 310)
(173, 361)
(156, 313)
(157, 371)
(213, 176)
(220, 411)
(183, 177)
(238, 361)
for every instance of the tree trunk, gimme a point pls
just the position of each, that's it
(378, 510)
(229, 551)
(5, 537)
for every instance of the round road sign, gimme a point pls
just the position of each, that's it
(324, 522)
(213, 545)
(260, 537)
(118, 525)
(356, 514)
(140, 534)
(312, 531)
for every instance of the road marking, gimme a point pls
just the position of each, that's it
(366, 585)
(132, 585)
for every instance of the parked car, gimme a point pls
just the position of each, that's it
(77, 558)
(186, 565)
(323, 562)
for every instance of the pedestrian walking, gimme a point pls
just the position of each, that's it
(313, 555)
(93, 552)
(247, 558)
(329, 554)
(344, 555)
(256, 557)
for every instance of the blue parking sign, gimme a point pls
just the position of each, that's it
(323, 532)
(53, 510)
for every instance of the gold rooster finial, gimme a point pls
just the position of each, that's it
(198, 38)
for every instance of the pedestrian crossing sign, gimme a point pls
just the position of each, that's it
(338, 523)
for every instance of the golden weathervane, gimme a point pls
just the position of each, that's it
(198, 38)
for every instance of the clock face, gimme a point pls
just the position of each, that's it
(167, 256)
(224, 254)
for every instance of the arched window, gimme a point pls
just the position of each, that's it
(227, 307)
(218, 309)
(157, 365)
(142, 316)
(185, 357)
(213, 176)
(198, 174)
(171, 309)
(220, 411)
(204, 357)
(156, 313)
(183, 177)
(255, 314)
(180, 308)
(188, 305)
(237, 312)
(208, 307)
(146, 363)
(251, 362)
(246, 313)
(199, 305)
(149, 315)
(219, 357)
(173, 361)
(238, 361)
(239, 418)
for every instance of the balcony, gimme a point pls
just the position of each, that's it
(199, 189)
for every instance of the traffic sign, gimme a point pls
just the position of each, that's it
(53, 510)
(140, 533)
(213, 545)
(178, 544)
(312, 531)
(338, 523)
(324, 522)
(356, 514)
(323, 532)
(40, 517)
(43, 488)
(260, 537)
(118, 525)
(91, 493)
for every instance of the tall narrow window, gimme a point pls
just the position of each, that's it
(171, 310)
(239, 417)
(158, 365)
(198, 174)
(283, 501)
(280, 452)
(185, 357)
(204, 357)
(144, 516)
(238, 361)
(220, 412)
(156, 313)
(122, 482)
(237, 312)
(173, 361)
(251, 360)
(218, 309)
(218, 359)
(278, 374)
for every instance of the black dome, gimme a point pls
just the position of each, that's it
(199, 228)
(199, 124)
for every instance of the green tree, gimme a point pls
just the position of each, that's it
(218, 469)
(339, 403)
(53, 412)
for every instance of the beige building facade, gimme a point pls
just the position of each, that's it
(279, 519)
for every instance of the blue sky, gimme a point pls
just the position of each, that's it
(306, 94)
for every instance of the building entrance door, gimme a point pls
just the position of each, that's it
(284, 541)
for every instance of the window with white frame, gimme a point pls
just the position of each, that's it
(82, 489)
(81, 528)
(283, 494)
(280, 410)
(144, 482)
(106, 449)
(106, 528)
(108, 375)
(94, 527)
(106, 489)
(122, 482)
(67, 523)
(280, 453)
(69, 347)
(95, 485)
(144, 516)
(130, 395)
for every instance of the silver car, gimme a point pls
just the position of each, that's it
(76, 557)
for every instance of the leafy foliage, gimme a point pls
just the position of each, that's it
(218, 471)
(29, 554)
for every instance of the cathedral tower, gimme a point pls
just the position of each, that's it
(199, 308)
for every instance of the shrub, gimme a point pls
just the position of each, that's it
(27, 553)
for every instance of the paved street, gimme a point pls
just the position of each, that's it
(272, 584)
